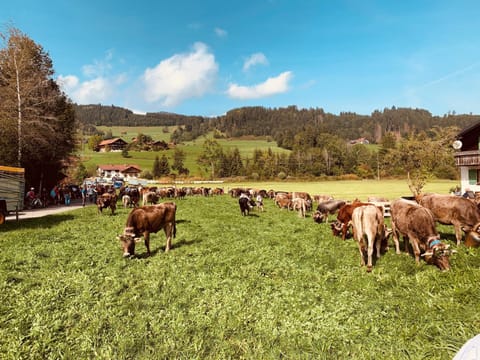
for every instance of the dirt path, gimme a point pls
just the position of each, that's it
(53, 209)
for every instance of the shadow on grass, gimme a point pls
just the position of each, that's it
(45, 222)
(175, 245)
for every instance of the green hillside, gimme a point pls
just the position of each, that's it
(192, 149)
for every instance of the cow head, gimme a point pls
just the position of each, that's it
(318, 217)
(337, 228)
(385, 236)
(472, 235)
(438, 253)
(127, 242)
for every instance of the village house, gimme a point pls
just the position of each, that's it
(467, 158)
(115, 144)
(125, 172)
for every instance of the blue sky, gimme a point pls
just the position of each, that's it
(206, 57)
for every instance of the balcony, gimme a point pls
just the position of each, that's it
(467, 158)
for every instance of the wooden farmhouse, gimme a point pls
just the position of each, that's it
(115, 144)
(125, 172)
(467, 157)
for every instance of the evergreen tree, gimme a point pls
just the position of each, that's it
(164, 165)
(160, 167)
(178, 159)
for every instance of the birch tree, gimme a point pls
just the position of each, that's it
(36, 117)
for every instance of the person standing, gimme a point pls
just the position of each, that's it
(84, 194)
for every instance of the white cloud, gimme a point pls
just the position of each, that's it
(181, 76)
(221, 32)
(100, 86)
(255, 59)
(67, 83)
(271, 86)
(99, 68)
(93, 91)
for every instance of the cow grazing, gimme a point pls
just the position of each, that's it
(283, 200)
(245, 204)
(344, 218)
(126, 201)
(326, 208)
(145, 220)
(150, 197)
(368, 224)
(322, 198)
(107, 200)
(299, 205)
(462, 213)
(416, 223)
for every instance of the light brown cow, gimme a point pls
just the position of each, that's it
(299, 205)
(462, 213)
(416, 223)
(344, 218)
(283, 200)
(368, 223)
(145, 220)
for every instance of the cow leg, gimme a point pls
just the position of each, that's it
(370, 240)
(458, 233)
(395, 238)
(146, 235)
(416, 249)
(168, 233)
(361, 248)
(344, 231)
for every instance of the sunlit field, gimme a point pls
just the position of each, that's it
(192, 149)
(265, 286)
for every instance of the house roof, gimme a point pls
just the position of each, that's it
(111, 141)
(468, 129)
(121, 168)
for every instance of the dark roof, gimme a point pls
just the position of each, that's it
(121, 168)
(468, 129)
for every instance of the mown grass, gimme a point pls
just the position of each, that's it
(192, 149)
(269, 285)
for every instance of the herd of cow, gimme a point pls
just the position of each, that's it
(414, 220)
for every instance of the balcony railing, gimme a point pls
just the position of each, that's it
(467, 158)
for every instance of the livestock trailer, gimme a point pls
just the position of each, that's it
(12, 190)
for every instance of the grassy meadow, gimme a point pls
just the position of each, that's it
(192, 149)
(266, 286)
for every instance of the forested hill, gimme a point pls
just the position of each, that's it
(99, 115)
(282, 124)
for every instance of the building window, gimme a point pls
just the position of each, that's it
(473, 176)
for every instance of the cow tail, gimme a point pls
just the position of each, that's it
(174, 229)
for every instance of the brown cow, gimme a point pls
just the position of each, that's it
(107, 200)
(367, 222)
(462, 213)
(145, 220)
(344, 218)
(283, 200)
(416, 223)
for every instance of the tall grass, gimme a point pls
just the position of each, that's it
(269, 285)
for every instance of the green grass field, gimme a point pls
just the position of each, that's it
(267, 286)
(192, 149)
